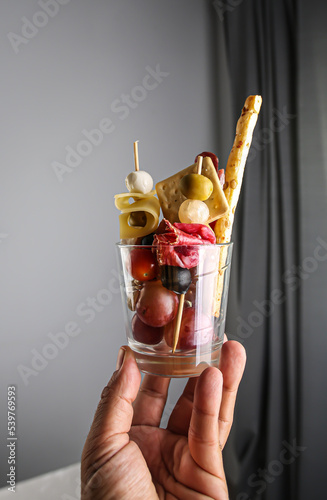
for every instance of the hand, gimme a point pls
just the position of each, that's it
(126, 454)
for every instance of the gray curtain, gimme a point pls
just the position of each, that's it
(278, 293)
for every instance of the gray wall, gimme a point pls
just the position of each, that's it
(57, 238)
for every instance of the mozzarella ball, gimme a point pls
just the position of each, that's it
(193, 211)
(139, 181)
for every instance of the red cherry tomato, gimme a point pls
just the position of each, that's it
(143, 264)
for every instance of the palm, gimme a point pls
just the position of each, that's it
(170, 462)
(127, 455)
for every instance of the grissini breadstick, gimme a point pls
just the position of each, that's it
(233, 179)
(236, 163)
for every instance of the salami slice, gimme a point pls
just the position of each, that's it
(175, 246)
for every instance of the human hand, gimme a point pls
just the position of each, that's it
(127, 455)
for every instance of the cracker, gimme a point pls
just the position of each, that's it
(171, 197)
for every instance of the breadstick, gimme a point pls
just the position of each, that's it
(236, 163)
(234, 176)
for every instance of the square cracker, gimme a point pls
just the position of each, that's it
(171, 197)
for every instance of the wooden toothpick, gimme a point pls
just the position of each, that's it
(199, 164)
(178, 320)
(136, 156)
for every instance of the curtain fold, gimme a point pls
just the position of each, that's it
(312, 107)
(263, 47)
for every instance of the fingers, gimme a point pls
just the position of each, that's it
(150, 402)
(113, 417)
(203, 436)
(180, 417)
(232, 364)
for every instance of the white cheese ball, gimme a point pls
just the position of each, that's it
(139, 181)
(193, 211)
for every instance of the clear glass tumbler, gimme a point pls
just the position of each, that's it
(175, 318)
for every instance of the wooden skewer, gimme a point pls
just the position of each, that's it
(136, 156)
(199, 164)
(178, 320)
(182, 296)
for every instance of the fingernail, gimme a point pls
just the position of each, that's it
(120, 358)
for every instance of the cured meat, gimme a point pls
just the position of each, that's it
(175, 246)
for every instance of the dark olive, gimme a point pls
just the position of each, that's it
(148, 239)
(177, 279)
(137, 219)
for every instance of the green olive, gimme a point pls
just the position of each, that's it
(196, 187)
(137, 219)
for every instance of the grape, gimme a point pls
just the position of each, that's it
(196, 329)
(145, 333)
(156, 306)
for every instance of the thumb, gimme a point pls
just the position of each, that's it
(113, 417)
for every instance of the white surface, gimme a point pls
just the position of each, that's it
(63, 484)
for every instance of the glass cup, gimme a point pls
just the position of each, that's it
(175, 318)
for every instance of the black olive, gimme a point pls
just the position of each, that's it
(148, 239)
(177, 279)
(137, 219)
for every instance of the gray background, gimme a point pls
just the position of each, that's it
(57, 239)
